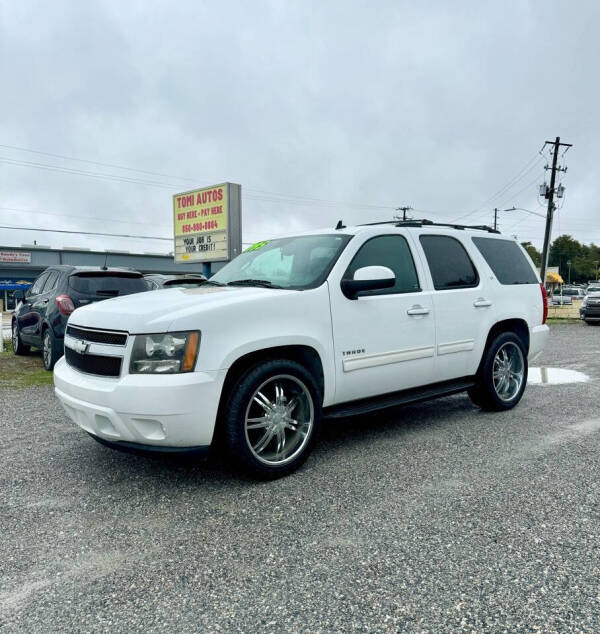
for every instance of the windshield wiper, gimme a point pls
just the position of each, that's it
(263, 283)
(212, 282)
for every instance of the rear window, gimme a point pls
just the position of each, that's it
(107, 285)
(507, 261)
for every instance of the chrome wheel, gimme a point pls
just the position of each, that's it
(509, 371)
(279, 420)
(47, 350)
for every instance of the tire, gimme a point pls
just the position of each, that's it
(502, 376)
(272, 419)
(18, 346)
(50, 349)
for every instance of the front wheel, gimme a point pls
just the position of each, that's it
(272, 419)
(502, 377)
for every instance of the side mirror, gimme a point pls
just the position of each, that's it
(368, 278)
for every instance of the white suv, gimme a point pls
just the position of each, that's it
(328, 323)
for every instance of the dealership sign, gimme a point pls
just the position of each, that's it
(207, 224)
(15, 256)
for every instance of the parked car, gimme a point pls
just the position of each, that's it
(189, 280)
(561, 300)
(330, 323)
(589, 310)
(574, 292)
(40, 318)
(592, 288)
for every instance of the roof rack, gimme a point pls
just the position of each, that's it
(427, 223)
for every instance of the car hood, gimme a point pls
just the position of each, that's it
(159, 311)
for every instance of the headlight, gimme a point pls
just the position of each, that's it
(166, 353)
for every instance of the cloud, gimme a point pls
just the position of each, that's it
(433, 105)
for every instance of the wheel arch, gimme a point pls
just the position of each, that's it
(303, 354)
(516, 325)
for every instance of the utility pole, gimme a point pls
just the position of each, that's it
(495, 218)
(549, 194)
(403, 210)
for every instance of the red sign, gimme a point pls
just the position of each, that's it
(15, 256)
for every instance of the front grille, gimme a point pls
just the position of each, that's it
(94, 363)
(98, 336)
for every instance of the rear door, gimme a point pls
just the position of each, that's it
(384, 340)
(462, 305)
(28, 315)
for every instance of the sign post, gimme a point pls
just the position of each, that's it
(207, 225)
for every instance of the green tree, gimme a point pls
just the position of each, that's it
(534, 254)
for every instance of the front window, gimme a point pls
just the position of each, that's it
(296, 263)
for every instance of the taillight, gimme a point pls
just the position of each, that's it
(65, 305)
(544, 302)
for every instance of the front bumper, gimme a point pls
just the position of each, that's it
(176, 411)
(590, 313)
(538, 336)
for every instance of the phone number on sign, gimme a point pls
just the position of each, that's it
(200, 226)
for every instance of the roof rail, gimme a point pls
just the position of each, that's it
(428, 223)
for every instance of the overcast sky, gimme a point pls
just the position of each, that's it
(436, 105)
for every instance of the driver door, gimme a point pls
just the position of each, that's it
(384, 340)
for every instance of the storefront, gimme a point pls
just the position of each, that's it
(8, 286)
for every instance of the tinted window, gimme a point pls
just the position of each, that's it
(51, 282)
(449, 263)
(39, 284)
(507, 261)
(390, 251)
(107, 285)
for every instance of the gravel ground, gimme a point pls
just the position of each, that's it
(430, 518)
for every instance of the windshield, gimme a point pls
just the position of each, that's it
(298, 263)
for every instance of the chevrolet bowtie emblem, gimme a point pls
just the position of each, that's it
(81, 346)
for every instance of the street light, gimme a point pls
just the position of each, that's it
(534, 213)
(569, 265)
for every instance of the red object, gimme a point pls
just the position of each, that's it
(544, 302)
(65, 305)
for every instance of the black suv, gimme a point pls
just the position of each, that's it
(40, 318)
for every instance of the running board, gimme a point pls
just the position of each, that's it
(393, 399)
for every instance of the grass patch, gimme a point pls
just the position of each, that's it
(24, 371)
(563, 320)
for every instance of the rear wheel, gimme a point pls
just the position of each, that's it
(502, 377)
(272, 418)
(17, 344)
(50, 349)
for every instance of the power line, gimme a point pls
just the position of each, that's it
(79, 217)
(86, 233)
(271, 196)
(531, 164)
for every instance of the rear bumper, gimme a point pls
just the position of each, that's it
(175, 411)
(538, 336)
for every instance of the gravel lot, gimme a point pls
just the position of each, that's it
(435, 517)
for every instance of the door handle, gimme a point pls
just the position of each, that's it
(480, 302)
(417, 309)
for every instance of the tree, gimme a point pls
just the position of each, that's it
(534, 254)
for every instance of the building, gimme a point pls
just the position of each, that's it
(19, 266)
